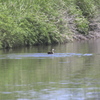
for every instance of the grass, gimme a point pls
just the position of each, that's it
(35, 22)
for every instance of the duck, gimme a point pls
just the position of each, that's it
(51, 52)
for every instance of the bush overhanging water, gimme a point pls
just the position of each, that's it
(34, 22)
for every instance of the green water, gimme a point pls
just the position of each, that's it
(72, 73)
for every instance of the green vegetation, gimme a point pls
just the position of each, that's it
(34, 22)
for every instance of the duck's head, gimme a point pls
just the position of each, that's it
(53, 50)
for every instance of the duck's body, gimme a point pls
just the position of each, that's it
(51, 52)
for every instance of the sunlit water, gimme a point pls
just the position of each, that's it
(71, 73)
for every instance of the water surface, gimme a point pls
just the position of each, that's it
(71, 73)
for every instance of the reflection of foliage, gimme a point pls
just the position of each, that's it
(41, 73)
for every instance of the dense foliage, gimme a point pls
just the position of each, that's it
(33, 22)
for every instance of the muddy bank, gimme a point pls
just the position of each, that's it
(94, 31)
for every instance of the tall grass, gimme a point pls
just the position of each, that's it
(34, 22)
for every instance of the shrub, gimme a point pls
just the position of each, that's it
(82, 25)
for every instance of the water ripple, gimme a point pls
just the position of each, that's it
(40, 55)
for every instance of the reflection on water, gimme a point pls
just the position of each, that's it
(40, 55)
(72, 73)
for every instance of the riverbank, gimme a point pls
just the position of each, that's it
(28, 23)
(94, 32)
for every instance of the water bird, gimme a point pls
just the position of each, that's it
(51, 52)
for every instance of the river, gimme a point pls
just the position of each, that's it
(71, 73)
